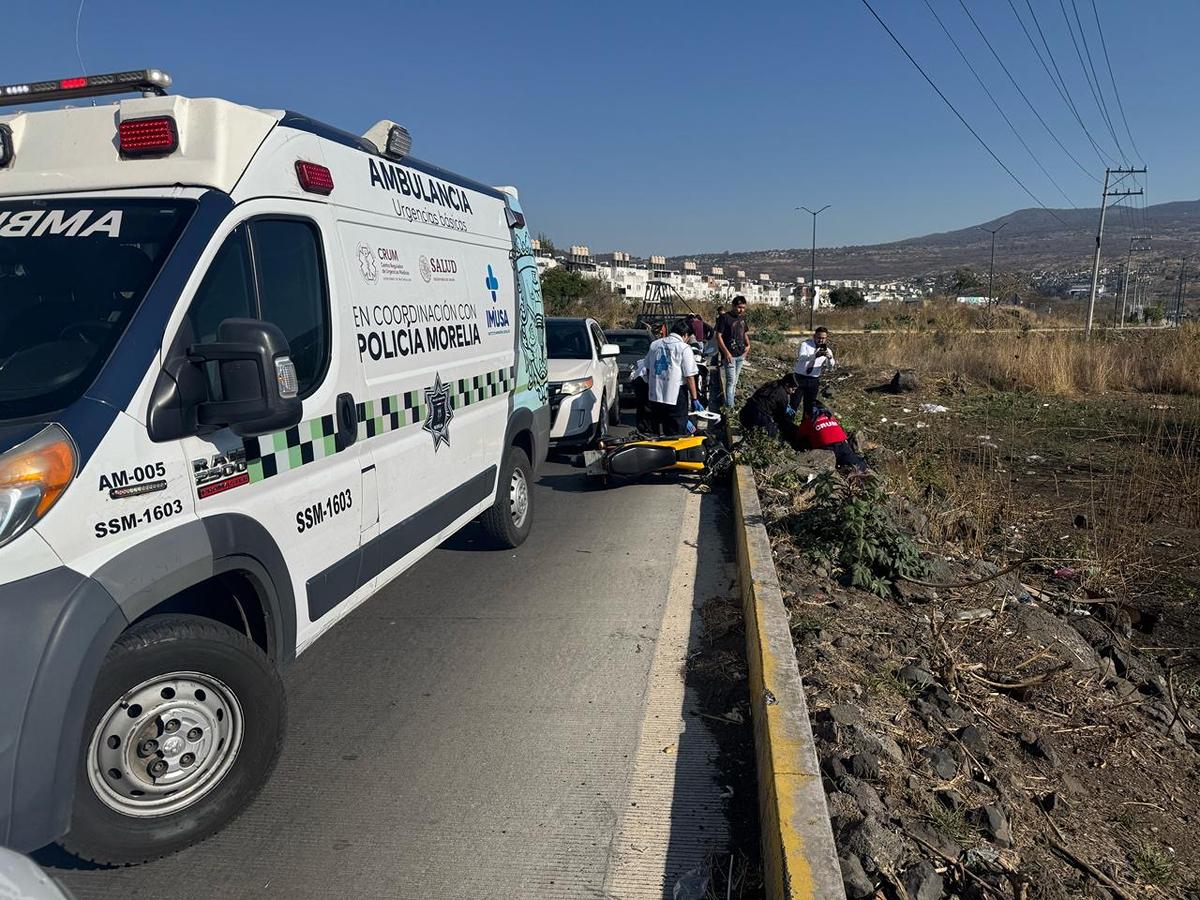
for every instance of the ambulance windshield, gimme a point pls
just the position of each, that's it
(72, 274)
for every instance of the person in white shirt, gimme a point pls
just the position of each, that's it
(813, 357)
(670, 368)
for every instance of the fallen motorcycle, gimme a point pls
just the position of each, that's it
(637, 455)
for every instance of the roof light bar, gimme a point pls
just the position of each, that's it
(151, 136)
(399, 142)
(152, 81)
(315, 179)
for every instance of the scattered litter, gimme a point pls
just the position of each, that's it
(1045, 406)
(1067, 573)
(692, 885)
(882, 420)
(1034, 458)
(972, 615)
(922, 425)
(907, 410)
(1159, 406)
(988, 445)
(985, 437)
(934, 408)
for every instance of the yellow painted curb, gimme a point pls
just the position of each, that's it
(799, 856)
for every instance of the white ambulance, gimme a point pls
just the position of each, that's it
(252, 368)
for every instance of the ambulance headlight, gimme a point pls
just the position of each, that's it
(33, 475)
(578, 386)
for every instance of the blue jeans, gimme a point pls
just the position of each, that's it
(729, 377)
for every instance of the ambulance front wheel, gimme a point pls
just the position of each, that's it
(184, 727)
(510, 518)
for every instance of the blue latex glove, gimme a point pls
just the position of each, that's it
(697, 406)
(791, 413)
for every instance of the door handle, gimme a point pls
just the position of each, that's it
(346, 413)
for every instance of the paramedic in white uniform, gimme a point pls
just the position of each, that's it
(670, 364)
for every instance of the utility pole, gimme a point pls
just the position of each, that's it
(1128, 261)
(812, 307)
(1179, 291)
(992, 266)
(1105, 194)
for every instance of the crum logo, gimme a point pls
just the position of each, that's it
(422, 187)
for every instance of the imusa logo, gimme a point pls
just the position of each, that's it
(497, 316)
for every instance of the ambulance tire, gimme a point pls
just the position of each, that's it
(510, 518)
(195, 651)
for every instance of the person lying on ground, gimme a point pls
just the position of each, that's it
(772, 408)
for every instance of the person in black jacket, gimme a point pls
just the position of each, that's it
(772, 407)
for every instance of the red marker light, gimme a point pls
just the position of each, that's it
(314, 178)
(154, 136)
(68, 83)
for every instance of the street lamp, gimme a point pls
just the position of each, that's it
(813, 270)
(992, 266)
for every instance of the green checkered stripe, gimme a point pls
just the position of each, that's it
(314, 439)
(376, 417)
(281, 451)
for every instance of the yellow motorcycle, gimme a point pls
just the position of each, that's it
(634, 456)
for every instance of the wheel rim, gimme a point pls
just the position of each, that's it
(165, 744)
(518, 498)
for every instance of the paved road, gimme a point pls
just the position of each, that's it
(474, 730)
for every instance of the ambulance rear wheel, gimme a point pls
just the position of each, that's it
(510, 519)
(184, 727)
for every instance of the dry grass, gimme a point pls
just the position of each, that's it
(1062, 364)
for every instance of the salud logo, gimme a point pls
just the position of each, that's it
(493, 283)
(437, 422)
(367, 266)
(423, 268)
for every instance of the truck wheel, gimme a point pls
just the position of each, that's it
(509, 520)
(184, 727)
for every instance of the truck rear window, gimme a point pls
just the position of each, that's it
(72, 274)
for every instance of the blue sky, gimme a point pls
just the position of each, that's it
(670, 126)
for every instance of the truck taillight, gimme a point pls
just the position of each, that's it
(314, 178)
(154, 136)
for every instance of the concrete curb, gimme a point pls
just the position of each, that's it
(799, 857)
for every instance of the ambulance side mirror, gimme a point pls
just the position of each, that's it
(258, 379)
(608, 351)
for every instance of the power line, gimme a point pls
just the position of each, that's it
(1097, 94)
(1018, 87)
(1061, 84)
(1028, 102)
(959, 115)
(996, 104)
(1113, 79)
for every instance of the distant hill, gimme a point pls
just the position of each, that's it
(1033, 240)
